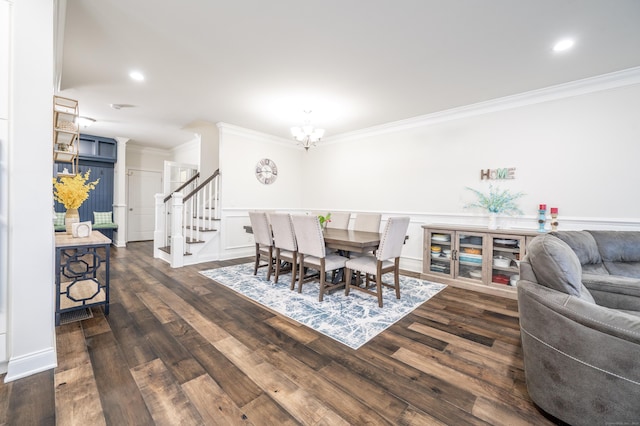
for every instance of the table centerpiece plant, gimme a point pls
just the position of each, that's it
(72, 191)
(324, 220)
(496, 202)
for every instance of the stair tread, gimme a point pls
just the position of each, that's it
(193, 241)
(167, 249)
(201, 229)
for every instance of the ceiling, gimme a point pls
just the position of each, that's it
(355, 64)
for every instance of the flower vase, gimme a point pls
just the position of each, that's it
(72, 216)
(493, 221)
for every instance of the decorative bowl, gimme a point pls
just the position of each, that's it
(501, 261)
(475, 274)
(514, 280)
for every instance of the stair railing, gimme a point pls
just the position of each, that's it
(201, 208)
(180, 220)
(190, 183)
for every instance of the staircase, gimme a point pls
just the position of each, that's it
(186, 225)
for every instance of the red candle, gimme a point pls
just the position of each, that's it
(543, 207)
(554, 210)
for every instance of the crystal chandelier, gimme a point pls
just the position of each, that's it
(307, 135)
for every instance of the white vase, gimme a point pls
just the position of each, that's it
(493, 221)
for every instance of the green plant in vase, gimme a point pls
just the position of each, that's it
(496, 202)
(324, 220)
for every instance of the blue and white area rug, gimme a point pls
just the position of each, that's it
(352, 320)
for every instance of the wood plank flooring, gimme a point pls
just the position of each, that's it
(177, 348)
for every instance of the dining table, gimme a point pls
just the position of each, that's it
(351, 241)
(346, 240)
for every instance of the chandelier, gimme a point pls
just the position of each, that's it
(307, 135)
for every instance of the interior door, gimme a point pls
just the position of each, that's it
(141, 189)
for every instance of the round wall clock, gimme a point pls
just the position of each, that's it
(266, 171)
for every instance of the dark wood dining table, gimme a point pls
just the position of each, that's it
(351, 241)
(347, 240)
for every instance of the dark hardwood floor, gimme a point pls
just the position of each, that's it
(177, 348)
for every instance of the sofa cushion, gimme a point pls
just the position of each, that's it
(583, 244)
(620, 251)
(557, 266)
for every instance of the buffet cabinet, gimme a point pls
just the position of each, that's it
(475, 258)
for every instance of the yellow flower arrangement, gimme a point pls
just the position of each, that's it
(73, 191)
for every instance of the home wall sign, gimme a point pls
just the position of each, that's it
(498, 174)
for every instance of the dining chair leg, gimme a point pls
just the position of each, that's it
(396, 277)
(379, 283)
(322, 285)
(294, 270)
(301, 274)
(277, 272)
(255, 268)
(379, 290)
(270, 263)
(323, 276)
(347, 286)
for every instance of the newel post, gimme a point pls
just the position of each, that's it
(177, 238)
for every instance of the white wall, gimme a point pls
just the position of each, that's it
(145, 158)
(187, 153)
(240, 151)
(31, 330)
(5, 34)
(578, 154)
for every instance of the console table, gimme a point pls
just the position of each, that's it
(78, 261)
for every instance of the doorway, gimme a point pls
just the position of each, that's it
(142, 186)
(175, 174)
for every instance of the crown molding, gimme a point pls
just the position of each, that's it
(628, 77)
(232, 129)
(147, 149)
(193, 143)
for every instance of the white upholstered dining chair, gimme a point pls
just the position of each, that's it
(367, 222)
(339, 220)
(284, 241)
(264, 241)
(386, 259)
(312, 253)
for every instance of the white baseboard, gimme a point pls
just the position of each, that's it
(32, 363)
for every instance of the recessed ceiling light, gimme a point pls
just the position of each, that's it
(563, 45)
(120, 106)
(136, 75)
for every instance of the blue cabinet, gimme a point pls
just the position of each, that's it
(98, 148)
(101, 198)
(98, 154)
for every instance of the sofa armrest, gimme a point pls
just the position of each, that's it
(568, 345)
(601, 319)
(614, 291)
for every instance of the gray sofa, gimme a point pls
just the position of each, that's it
(610, 262)
(581, 344)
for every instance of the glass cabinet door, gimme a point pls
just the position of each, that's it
(505, 263)
(440, 253)
(470, 255)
